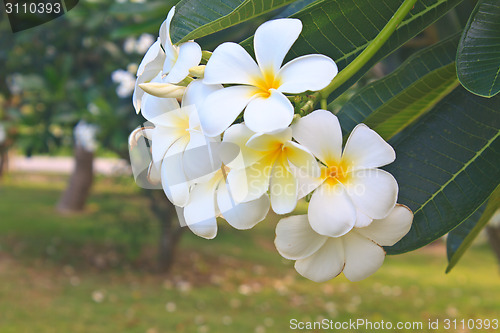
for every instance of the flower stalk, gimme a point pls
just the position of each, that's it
(368, 53)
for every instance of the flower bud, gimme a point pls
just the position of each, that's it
(163, 90)
(205, 55)
(197, 71)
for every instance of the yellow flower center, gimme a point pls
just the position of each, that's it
(266, 82)
(225, 171)
(335, 173)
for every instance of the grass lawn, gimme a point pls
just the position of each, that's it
(92, 273)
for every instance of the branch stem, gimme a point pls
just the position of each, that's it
(367, 53)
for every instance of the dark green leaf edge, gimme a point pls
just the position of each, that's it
(447, 165)
(377, 94)
(471, 228)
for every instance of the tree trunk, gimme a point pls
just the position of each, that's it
(3, 160)
(169, 238)
(170, 229)
(76, 194)
(494, 238)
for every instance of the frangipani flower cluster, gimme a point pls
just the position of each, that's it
(260, 87)
(210, 164)
(167, 62)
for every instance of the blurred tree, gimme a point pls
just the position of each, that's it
(494, 239)
(61, 73)
(80, 182)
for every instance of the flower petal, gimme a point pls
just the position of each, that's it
(200, 212)
(170, 61)
(320, 133)
(231, 64)
(199, 160)
(306, 183)
(283, 188)
(389, 230)
(252, 182)
(373, 191)
(166, 42)
(325, 264)
(331, 211)
(138, 94)
(137, 97)
(309, 72)
(195, 95)
(162, 139)
(302, 159)
(269, 114)
(189, 56)
(362, 257)
(362, 220)
(243, 215)
(222, 107)
(295, 239)
(173, 180)
(238, 135)
(273, 40)
(266, 142)
(152, 61)
(366, 149)
(155, 108)
(154, 175)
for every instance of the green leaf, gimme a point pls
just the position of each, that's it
(341, 29)
(198, 18)
(413, 102)
(478, 56)
(392, 103)
(447, 165)
(461, 238)
(151, 17)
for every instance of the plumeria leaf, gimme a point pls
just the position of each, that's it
(391, 104)
(151, 16)
(341, 29)
(461, 238)
(447, 165)
(478, 56)
(295, 7)
(198, 18)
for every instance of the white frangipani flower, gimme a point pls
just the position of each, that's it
(171, 61)
(358, 253)
(260, 86)
(150, 66)
(126, 82)
(143, 43)
(85, 135)
(269, 161)
(179, 59)
(177, 131)
(352, 191)
(212, 198)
